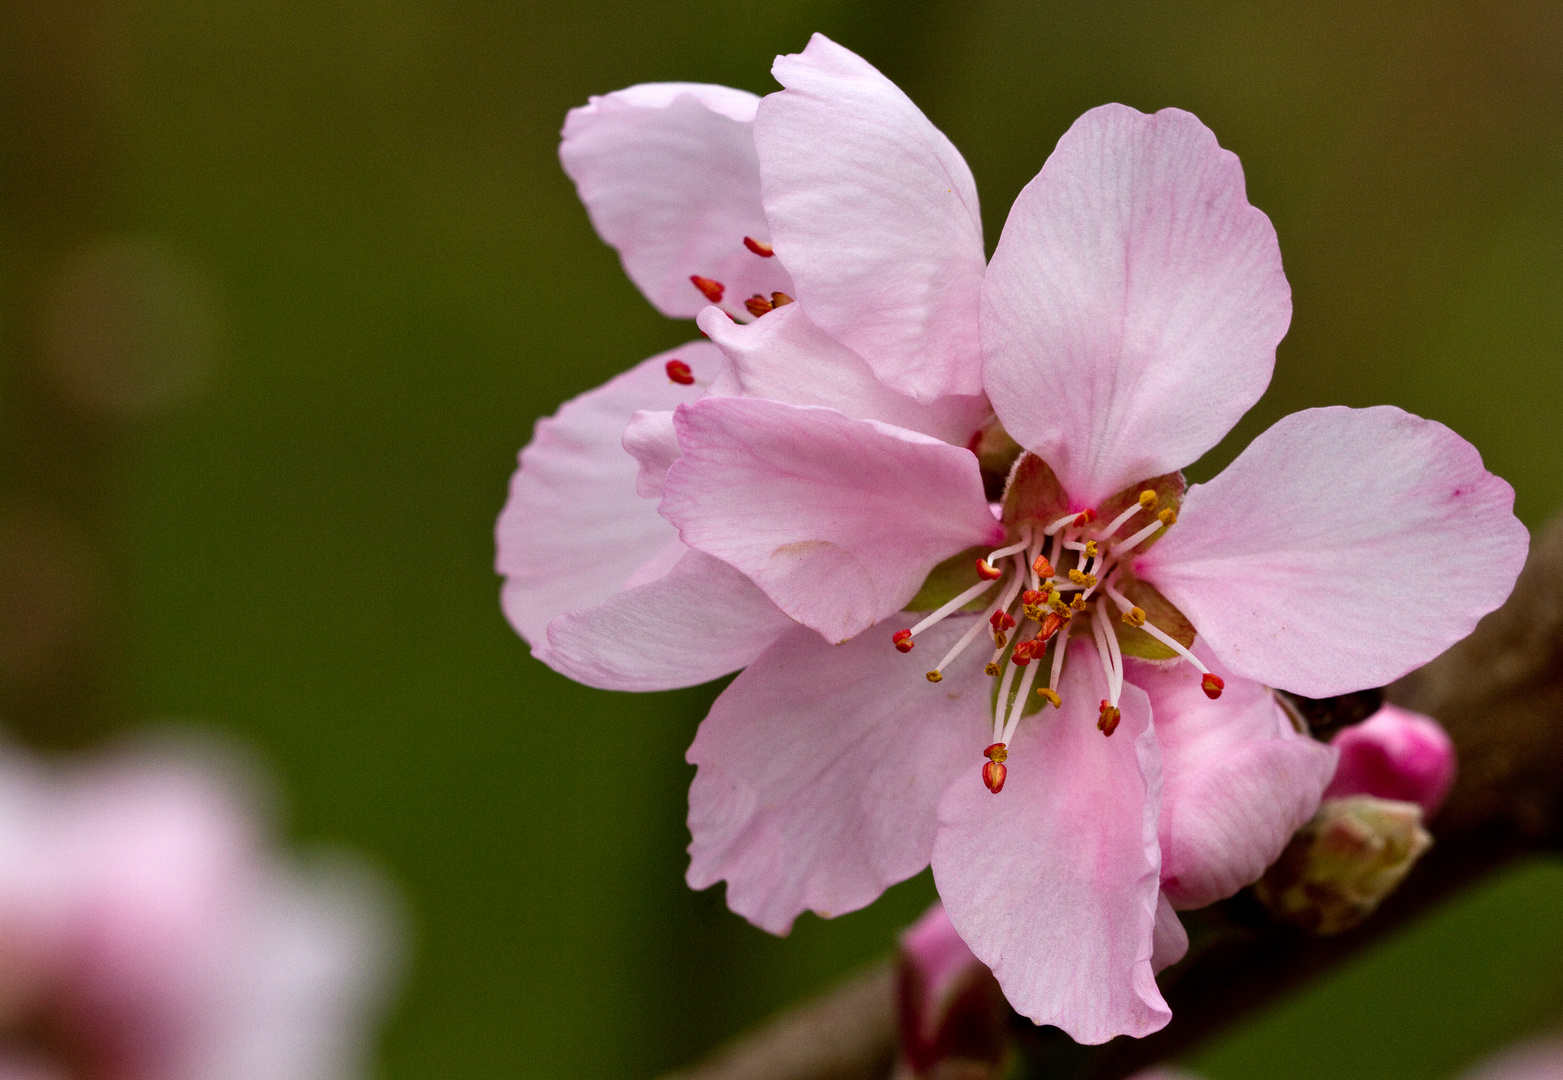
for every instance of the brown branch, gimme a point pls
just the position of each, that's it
(1500, 695)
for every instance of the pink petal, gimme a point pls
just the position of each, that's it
(669, 176)
(573, 528)
(837, 520)
(1343, 548)
(1395, 754)
(1054, 881)
(785, 357)
(875, 213)
(1132, 309)
(821, 767)
(700, 620)
(1237, 779)
(1169, 941)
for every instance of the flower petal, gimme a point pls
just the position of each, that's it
(1054, 881)
(669, 176)
(1132, 309)
(875, 213)
(573, 528)
(785, 357)
(1170, 940)
(1343, 548)
(1237, 779)
(698, 621)
(821, 767)
(837, 520)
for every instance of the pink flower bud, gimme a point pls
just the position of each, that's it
(951, 1011)
(1395, 754)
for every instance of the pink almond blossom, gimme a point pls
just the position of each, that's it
(148, 934)
(827, 485)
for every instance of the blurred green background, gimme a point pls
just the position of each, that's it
(285, 283)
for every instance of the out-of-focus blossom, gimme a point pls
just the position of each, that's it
(952, 1018)
(1395, 754)
(831, 471)
(147, 932)
(1537, 1059)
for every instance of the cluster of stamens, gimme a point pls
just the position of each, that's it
(1035, 608)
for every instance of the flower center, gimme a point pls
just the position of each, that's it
(1065, 576)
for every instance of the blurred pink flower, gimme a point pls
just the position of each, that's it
(1395, 754)
(147, 934)
(952, 1017)
(825, 472)
(1537, 1059)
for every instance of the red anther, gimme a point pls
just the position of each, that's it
(997, 752)
(1043, 567)
(1002, 620)
(993, 775)
(759, 247)
(757, 305)
(713, 290)
(903, 640)
(1108, 722)
(1050, 626)
(1085, 517)
(1031, 596)
(1212, 685)
(987, 571)
(680, 373)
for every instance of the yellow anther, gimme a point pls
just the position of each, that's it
(1050, 696)
(1035, 612)
(997, 752)
(1056, 603)
(934, 676)
(1134, 616)
(1084, 580)
(1078, 603)
(1168, 517)
(1147, 499)
(991, 669)
(1000, 639)
(1091, 549)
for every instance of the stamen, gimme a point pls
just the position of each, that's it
(1099, 632)
(950, 606)
(758, 305)
(1177, 647)
(993, 775)
(1020, 701)
(1086, 516)
(759, 247)
(960, 646)
(1135, 616)
(1112, 647)
(1067, 519)
(1042, 568)
(1212, 685)
(991, 669)
(987, 570)
(1148, 499)
(780, 299)
(1058, 669)
(1050, 695)
(997, 752)
(1128, 545)
(903, 640)
(1004, 552)
(1001, 704)
(1107, 723)
(935, 676)
(1050, 626)
(1113, 525)
(680, 372)
(1002, 620)
(1168, 517)
(712, 290)
(1085, 581)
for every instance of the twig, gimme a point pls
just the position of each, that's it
(1500, 695)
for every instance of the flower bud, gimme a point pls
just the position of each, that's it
(1342, 863)
(952, 1017)
(1395, 754)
